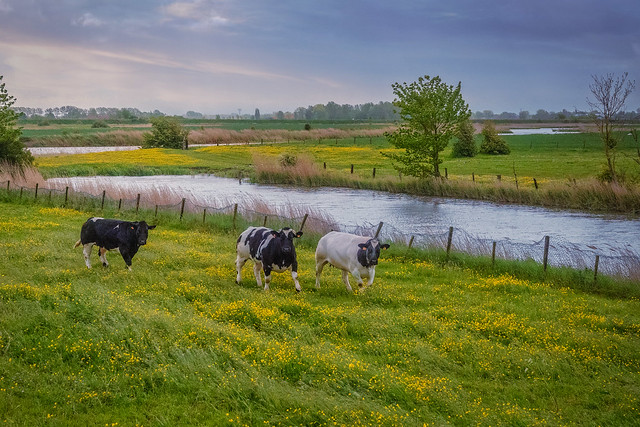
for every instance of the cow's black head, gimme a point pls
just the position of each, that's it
(370, 252)
(142, 232)
(286, 236)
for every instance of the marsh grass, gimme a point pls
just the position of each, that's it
(176, 341)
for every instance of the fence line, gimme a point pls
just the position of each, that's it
(616, 262)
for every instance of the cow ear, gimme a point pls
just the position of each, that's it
(385, 246)
(151, 227)
(362, 246)
(274, 233)
(299, 234)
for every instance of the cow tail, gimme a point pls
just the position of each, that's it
(78, 243)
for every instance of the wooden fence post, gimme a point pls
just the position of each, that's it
(378, 230)
(138, 203)
(473, 176)
(264, 223)
(36, 196)
(21, 190)
(535, 183)
(351, 167)
(235, 214)
(66, 195)
(595, 269)
(545, 257)
(499, 177)
(204, 215)
(374, 172)
(449, 239)
(411, 241)
(493, 254)
(119, 204)
(446, 173)
(304, 221)
(156, 214)
(182, 208)
(104, 193)
(325, 165)
(8, 185)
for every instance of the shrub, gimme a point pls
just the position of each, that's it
(287, 160)
(99, 124)
(307, 126)
(492, 143)
(465, 146)
(166, 133)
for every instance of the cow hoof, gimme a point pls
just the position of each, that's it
(298, 290)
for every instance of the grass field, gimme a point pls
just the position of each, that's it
(544, 157)
(176, 341)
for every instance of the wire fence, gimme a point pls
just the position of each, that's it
(609, 260)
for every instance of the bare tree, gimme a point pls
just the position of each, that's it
(610, 93)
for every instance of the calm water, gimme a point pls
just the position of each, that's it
(410, 214)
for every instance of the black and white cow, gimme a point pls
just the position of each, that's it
(350, 253)
(113, 234)
(270, 250)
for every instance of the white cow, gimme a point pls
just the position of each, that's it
(350, 253)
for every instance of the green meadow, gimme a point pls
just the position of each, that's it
(176, 342)
(560, 157)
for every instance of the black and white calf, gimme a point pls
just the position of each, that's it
(350, 253)
(270, 250)
(113, 234)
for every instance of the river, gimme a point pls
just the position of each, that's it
(409, 214)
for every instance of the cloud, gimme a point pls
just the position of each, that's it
(200, 14)
(88, 20)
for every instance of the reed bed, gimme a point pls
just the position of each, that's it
(225, 136)
(99, 139)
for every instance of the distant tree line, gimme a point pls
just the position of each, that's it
(381, 111)
(71, 112)
(544, 115)
(384, 111)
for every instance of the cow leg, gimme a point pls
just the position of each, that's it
(86, 250)
(356, 275)
(256, 272)
(126, 256)
(267, 278)
(294, 275)
(319, 267)
(345, 279)
(240, 261)
(372, 274)
(103, 256)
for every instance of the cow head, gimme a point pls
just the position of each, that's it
(370, 252)
(142, 232)
(286, 236)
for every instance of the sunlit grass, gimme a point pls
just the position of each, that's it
(176, 341)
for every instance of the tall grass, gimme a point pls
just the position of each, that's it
(226, 136)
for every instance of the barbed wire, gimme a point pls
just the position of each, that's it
(614, 261)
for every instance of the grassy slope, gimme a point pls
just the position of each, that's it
(176, 341)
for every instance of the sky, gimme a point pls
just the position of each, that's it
(230, 56)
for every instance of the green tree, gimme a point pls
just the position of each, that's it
(465, 146)
(430, 111)
(11, 148)
(166, 132)
(491, 141)
(610, 93)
